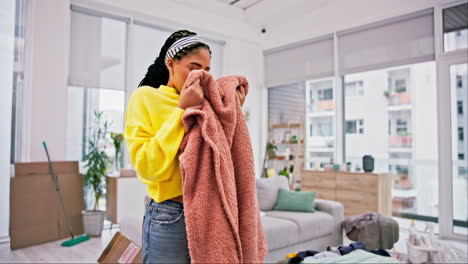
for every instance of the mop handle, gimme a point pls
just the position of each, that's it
(54, 176)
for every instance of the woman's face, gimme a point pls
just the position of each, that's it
(180, 69)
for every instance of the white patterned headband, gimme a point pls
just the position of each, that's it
(182, 43)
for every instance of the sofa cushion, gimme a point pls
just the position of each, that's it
(279, 232)
(295, 201)
(310, 225)
(267, 191)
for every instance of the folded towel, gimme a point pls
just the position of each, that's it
(218, 178)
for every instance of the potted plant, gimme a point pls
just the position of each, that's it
(271, 150)
(97, 163)
(293, 139)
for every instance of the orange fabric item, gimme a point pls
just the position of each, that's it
(292, 255)
(221, 210)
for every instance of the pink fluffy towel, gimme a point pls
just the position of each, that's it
(218, 178)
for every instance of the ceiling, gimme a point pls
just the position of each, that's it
(260, 13)
(242, 4)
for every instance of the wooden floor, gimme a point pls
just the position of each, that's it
(85, 252)
(89, 251)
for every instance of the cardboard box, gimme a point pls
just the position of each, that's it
(35, 213)
(121, 250)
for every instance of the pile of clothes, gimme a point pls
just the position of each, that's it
(309, 256)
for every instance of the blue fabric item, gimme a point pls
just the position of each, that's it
(381, 252)
(353, 246)
(164, 239)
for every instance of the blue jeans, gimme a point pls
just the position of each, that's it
(164, 239)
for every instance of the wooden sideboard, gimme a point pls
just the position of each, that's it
(125, 196)
(358, 192)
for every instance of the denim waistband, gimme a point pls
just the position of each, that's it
(167, 203)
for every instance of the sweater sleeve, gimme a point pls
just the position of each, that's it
(152, 153)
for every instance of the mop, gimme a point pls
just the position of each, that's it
(73, 241)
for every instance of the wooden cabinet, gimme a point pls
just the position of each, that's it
(125, 196)
(358, 192)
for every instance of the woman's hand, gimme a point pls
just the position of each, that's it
(241, 93)
(191, 96)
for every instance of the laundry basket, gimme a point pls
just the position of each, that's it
(421, 254)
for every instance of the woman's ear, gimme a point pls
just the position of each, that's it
(170, 65)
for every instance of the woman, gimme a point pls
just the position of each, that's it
(154, 132)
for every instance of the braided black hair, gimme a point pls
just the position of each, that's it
(158, 73)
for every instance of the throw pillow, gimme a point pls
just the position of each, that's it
(295, 201)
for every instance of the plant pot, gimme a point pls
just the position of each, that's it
(271, 154)
(93, 222)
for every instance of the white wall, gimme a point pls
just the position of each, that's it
(47, 45)
(7, 33)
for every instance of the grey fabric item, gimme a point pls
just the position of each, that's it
(310, 225)
(378, 231)
(267, 191)
(279, 232)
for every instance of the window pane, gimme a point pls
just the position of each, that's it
(82, 103)
(459, 77)
(75, 123)
(18, 77)
(285, 106)
(146, 45)
(351, 127)
(320, 122)
(455, 22)
(97, 52)
(396, 109)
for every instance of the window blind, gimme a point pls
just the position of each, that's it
(299, 62)
(401, 40)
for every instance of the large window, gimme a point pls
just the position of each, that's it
(97, 79)
(398, 133)
(387, 105)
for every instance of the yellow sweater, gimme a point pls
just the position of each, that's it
(153, 133)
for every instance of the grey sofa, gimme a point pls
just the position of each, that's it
(288, 232)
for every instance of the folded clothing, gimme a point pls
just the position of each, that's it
(357, 256)
(302, 256)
